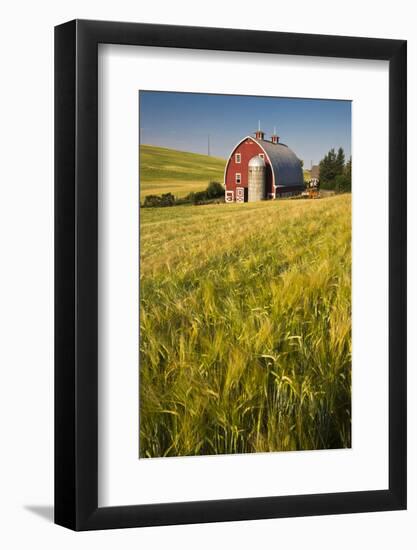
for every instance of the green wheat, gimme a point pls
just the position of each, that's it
(245, 327)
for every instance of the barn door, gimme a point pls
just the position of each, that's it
(240, 194)
(229, 196)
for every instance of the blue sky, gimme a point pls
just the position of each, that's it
(183, 121)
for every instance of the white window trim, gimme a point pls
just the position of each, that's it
(230, 196)
(238, 158)
(238, 175)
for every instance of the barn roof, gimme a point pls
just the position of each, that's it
(285, 163)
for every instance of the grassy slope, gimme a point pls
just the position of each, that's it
(166, 170)
(245, 327)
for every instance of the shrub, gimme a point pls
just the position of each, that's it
(152, 200)
(199, 196)
(166, 199)
(214, 190)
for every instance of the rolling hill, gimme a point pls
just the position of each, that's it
(165, 170)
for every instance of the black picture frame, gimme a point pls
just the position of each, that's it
(76, 272)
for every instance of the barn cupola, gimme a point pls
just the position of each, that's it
(275, 137)
(259, 134)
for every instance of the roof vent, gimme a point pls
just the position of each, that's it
(275, 137)
(259, 134)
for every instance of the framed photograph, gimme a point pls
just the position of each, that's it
(230, 255)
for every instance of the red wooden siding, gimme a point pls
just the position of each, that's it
(247, 149)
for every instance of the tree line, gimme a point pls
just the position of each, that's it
(336, 172)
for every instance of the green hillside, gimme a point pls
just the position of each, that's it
(165, 170)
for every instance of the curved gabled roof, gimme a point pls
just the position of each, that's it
(285, 164)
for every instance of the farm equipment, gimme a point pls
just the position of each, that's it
(312, 189)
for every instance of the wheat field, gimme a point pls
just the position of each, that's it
(245, 327)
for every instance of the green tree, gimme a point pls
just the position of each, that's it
(328, 170)
(342, 184)
(346, 183)
(323, 167)
(340, 161)
(348, 169)
(335, 172)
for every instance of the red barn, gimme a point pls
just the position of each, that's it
(259, 169)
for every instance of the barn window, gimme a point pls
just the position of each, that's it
(262, 156)
(238, 178)
(237, 158)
